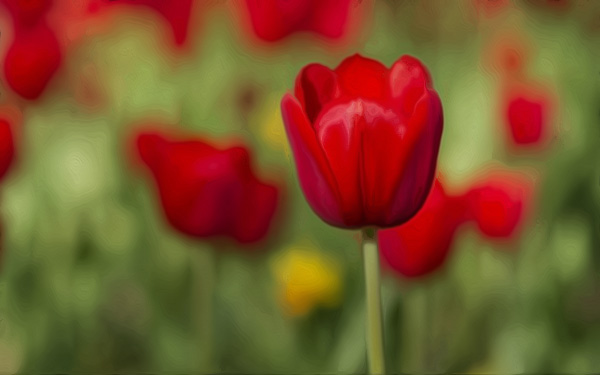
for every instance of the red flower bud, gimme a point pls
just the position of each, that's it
(27, 13)
(176, 13)
(527, 119)
(206, 191)
(498, 204)
(422, 244)
(31, 61)
(365, 139)
(273, 20)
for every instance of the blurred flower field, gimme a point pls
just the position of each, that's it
(153, 218)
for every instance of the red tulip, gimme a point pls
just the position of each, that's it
(421, 245)
(498, 204)
(206, 191)
(527, 119)
(31, 61)
(365, 139)
(27, 13)
(176, 13)
(273, 20)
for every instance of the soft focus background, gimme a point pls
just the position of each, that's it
(94, 280)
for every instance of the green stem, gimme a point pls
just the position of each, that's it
(374, 316)
(204, 264)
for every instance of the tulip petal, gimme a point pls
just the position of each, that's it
(204, 207)
(273, 20)
(499, 203)
(147, 146)
(27, 13)
(314, 173)
(156, 150)
(330, 17)
(362, 77)
(419, 159)
(526, 120)
(198, 192)
(339, 132)
(408, 81)
(195, 183)
(316, 86)
(363, 143)
(31, 61)
(385, 144)
(498, 213)
(260, 203)
(176, 13)
(368, 150)
(421, 245)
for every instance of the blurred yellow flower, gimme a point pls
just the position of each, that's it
(270, 124)
(306, 279)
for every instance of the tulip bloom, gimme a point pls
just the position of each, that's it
(176, 13)
(206, 191)
(421, 245)
(31, 61)
(527, 119)
(365, 139)
(498, 204)
(27, 13)
(273, 20)
(34, 55)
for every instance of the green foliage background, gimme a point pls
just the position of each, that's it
(94, 281)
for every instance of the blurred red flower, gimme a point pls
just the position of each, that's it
(499, 203)
(34, 54)
(527, 118)
(206, 191)
(176, 13)
(422, 244)
(365, 139)
(273, 20)
(31, 60)
(27, 13)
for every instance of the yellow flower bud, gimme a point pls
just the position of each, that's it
(305, 279)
